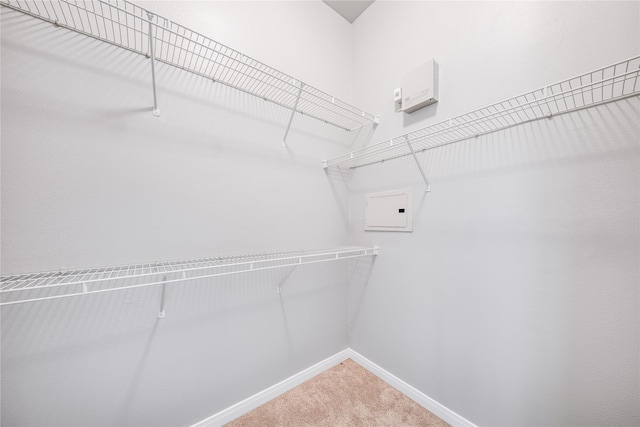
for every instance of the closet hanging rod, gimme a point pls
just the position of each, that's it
(607, 84)
(124, 24)
(23, 288)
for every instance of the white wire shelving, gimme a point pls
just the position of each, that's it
(611, 83)
(24, 288)
(128, 26)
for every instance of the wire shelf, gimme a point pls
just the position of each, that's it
(123, 24)
(32, 287)
(607, 84)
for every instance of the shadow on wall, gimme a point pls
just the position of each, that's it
(546, 143)
(359, 276)
(53, 324)
(124, 69)
(338, 179)
(521, 271)
(218, 336)
(362, 137)
(420, 115)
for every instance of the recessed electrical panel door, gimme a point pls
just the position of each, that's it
(389, 211)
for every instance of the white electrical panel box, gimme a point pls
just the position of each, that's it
(389, 211)
(420, 87)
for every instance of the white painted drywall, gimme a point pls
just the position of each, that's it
(514, 302)
(90, 178)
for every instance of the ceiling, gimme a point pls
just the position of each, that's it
(349, 10)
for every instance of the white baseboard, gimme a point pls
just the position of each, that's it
(413, 393)
(249, 404)
(241, 408)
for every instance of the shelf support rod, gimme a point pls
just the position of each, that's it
(295, 108)
(156, 110)
(161, 313)
(284, 280)
(413, 153)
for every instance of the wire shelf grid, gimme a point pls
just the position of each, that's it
(32, 287)
(126, 25)
(611, 83)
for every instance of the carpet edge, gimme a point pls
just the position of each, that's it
(232, 412)
(411, 392)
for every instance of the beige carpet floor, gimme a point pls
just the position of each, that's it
(345, 395)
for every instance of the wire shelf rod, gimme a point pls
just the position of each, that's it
(467, 124)
(124, 24)
(180, 267)
(497, 113)
(465, 138)
(111, 276)
(182, 48)
(607, 84)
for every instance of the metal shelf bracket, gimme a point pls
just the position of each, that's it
(284, 280)
(162, 313)
(293, 112)
(152, 55)
(413, 153)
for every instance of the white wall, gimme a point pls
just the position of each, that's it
(514, 302)
(90, 178)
